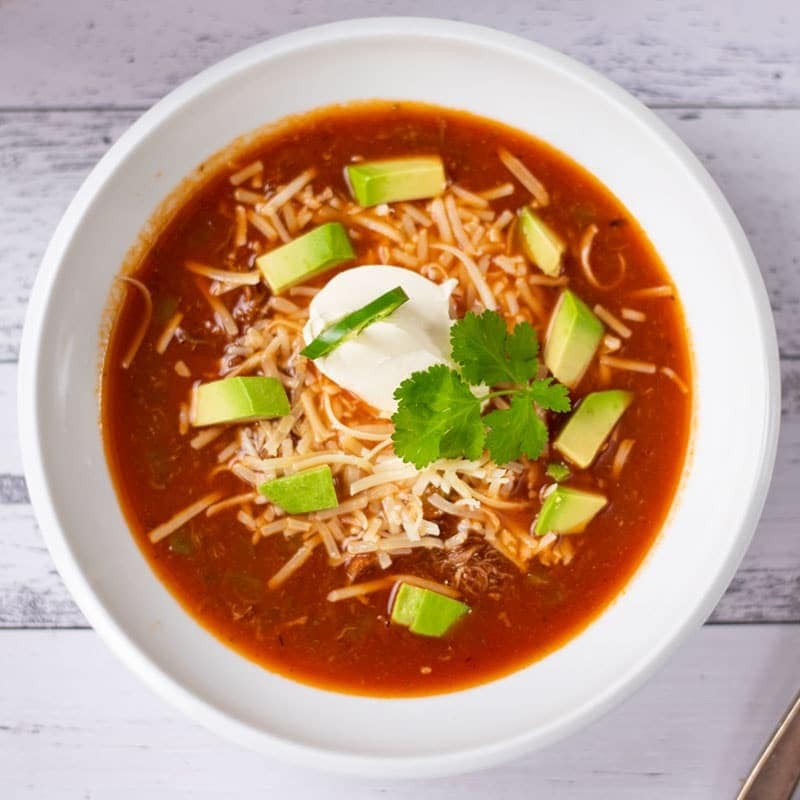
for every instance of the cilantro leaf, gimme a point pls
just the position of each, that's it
(437, 417)
(488, 354)
(553, 396)
(514, 431)
(522, 348)
(478, 345)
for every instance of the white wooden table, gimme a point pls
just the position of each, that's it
(726, 76)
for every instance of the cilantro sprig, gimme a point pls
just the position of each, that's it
(439, 409)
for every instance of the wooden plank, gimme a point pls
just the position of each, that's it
(766, 587)
(43, 160)
(45, 155)
(752, 156)
(112, 53)
(89, 729)
(10, 458)
(32, 594)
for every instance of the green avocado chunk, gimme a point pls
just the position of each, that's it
(426, 612)
(395, 179)
(573, 336)
(590, 425)
(310, 490)
(542, 245)
(558, 471)
(240, 399)
(568, 510)
(318, 250)
(406, 603)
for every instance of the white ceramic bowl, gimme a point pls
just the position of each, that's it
(534, 89)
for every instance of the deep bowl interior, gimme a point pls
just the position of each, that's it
(519, 84)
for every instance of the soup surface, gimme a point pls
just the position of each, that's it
(310, 594)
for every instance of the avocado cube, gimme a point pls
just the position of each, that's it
(406, 603)
(573, 337)
(303, 492)
(318, 250)
(541, 244)
(568, 511)
(590, 425)
(392, 180)
(557, 471)
(436, 614)
(426, 612)
(240, 399)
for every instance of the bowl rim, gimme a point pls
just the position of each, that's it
(193, 705)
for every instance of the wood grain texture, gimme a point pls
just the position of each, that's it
(44, 156)
(89, 730)
(766, 587)
(43, 159)
(118, 53)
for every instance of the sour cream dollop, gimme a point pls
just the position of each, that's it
(374, 363)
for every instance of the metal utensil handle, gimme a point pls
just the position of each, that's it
(776, 773)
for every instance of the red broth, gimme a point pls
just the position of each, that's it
(213, 566)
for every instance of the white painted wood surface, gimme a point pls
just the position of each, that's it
(724, 75)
